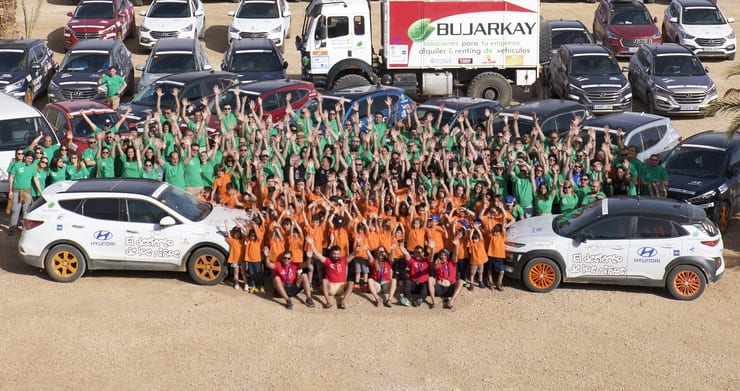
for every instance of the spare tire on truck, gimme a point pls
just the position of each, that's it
(491, 85)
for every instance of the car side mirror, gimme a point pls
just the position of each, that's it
(580, 238)
(35, 66)
(625, 69)
(199, 13)
(166, 221)
(655, 19)
(730, 20)
(140, 68)
(231, 13)
(142, 13)
(207, 67)
(673, 19)
(285, 65)
(706, 69)
(70, 14)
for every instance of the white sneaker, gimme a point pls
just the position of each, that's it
(236, 286)
(246, 288)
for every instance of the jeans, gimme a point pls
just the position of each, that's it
(15, 213)
(255, 274)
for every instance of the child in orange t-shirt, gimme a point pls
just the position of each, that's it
(219, 184)
(496, 255)
(232, 199)
(253, 256)
(478, 256)
(236, 257)
(416, 235)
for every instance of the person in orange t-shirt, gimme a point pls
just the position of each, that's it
(253, 256)
(232, 199)
(219, 184)
(236, 254)
(496, 255)
(435, 232)
(478, 256)
(416, 235)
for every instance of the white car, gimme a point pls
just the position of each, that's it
(172, 19)
(700, 26)
(622, 241)
(125, 224)
(261, 19)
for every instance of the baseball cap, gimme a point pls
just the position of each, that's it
(509, 200)
(108, 122)
(464, 223)
(435, 217)
(477, 221)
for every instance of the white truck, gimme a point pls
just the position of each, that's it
(429, 47)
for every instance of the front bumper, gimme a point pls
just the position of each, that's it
(710, 47)
(604, 101)
(71, 37)
(149, 39)
(277, 38)
(623, 47)
(687, 103)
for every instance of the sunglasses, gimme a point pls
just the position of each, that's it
(44, 162)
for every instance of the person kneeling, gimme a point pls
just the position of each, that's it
(445, 283)
(287, 281)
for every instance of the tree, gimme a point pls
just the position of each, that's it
(7, 18)
(730, 103)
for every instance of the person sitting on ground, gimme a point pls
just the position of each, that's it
(381, 275)
(286, 281)
(335, 281)
(418, 275)
(445, 283)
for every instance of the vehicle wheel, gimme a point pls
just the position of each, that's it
(541, 275)
(207, 266)
(686, 282)
(351, 80)
(64, 263)
(545, 42)
(132, 30)
(130, 83)
(722, 216)
(490, 85)
(731, 56)
(29, 96)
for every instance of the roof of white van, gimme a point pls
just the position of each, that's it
(14, 108)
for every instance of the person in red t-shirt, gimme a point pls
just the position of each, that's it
(335, 273)
(445, 283)
(381, 275)
(288, 281)
(418, 267)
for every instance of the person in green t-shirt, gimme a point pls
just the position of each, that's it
(654, 178)
(21, 179)
(568, 198)
(130, 161)
(76, 169)
(57, 170)
(174, 170)
(522, 186)
(115, 85)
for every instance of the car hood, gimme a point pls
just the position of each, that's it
(138, 112)
(62, 78)
(220, 213)
(90, 24)
(12, 77)
(688, 83)
(255, 25)
(167, 24)
(683, 187)
(709, 31)
(634, 30)
(615, 81)
(148, 78)
(538, 228)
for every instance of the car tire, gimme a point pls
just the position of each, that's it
(491, 85)
(731, 57)
(207, 266)
(545, 41)
(130, 83)
(686, 282)
(138, 3)
(351, 80)
(132, 30)
(722, 216)
(541, 275)
(64, 263)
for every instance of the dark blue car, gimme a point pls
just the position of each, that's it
(26, 67)
(254, 59)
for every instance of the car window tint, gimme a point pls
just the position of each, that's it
(298, 94)
(359, 25)
(650, 137)
(563, 121)
(651, 227)
(615, 227)
(140, 211)
(101, 208)
(271, 102)
(195, 92)
(71, 205)
(635, 141)
(338, 26)
(548, 126)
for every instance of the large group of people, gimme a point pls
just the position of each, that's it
(401, 204)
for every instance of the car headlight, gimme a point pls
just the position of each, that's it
(110, 29)
(686, 35)
(731, 35)
(574, 88)
(233, 29)
(624, 88)
(514, 244)
(276, 29)
(702, 197)
(712, 90)
(611, 35)
(662, 90)
(144, 29)
(656, 35)
(15, 86)
(187, 28)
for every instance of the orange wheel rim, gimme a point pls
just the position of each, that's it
(687, 283)
(64, 264)
(724, 217)
(207, 267)
(542, 276)
(29, 97)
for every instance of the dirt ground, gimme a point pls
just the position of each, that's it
(127, 330)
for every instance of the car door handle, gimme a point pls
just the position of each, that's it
(667, 246)
(77, 226)
(132, 231)
(618, 248)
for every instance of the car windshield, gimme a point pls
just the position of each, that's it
(85, 62)
(169, 10)
(702, 16)
(678, 66)
(629, 17)
(148, 96)
(561, 37)
(12, 61)
(20, 132)
(570, 223)
(80, 127)
(255, 62)
(696, 162)
(258, 10)
(171, 63)
(186, 204)
(95, 11)
(593, 66)
(446, 115)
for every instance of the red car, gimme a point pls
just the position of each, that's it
(272, 92)
(624, 25)
(64, 116)
(105, 19)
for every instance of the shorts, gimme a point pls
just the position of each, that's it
(114, 101)
(383, 287)
(237, 265)
(443, 291)
(361, 266)
(399, 269)
(336, 288)
(291, 290)
(497, 264)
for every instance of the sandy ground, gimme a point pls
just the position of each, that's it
(126, 330)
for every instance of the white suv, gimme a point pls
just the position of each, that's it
(700, 26)
(621, 241)
(261, 19)
(125, 224)
(172, 19)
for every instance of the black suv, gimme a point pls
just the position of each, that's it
(705, 170)
(553, 115)
(589, 74)
(254, 59)
(670, 79)
(26, 67)
(567, 31)
(455, 106)
(82, 66)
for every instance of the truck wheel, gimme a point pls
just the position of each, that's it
(490, 85)
(541, 275)
(722, 216)
(351, 80)
(686, 282)
(64, 263)
(207, 266)
(545, 42)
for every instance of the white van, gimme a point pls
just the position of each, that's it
(19, 125)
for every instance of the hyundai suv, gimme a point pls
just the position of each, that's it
(26, 68)
(700, 26)
(261, 19)
(623, 25)
(254, 59)
(106, 19)
(705, 170)
(553, 115)
(589, 74)
(670, 79)
(82, 66)
(172, 19)
(453, 107)
(173, 55)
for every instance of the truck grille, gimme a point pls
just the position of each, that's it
(164, 34)
(710, 41)
(252, 35)
(634, 42)
(79, 94)
(605, 97)
(87, 35)
(689, 98)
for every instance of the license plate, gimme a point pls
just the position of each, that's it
(602, 107)
(712, 49)
(632, 49)
(688, 107)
